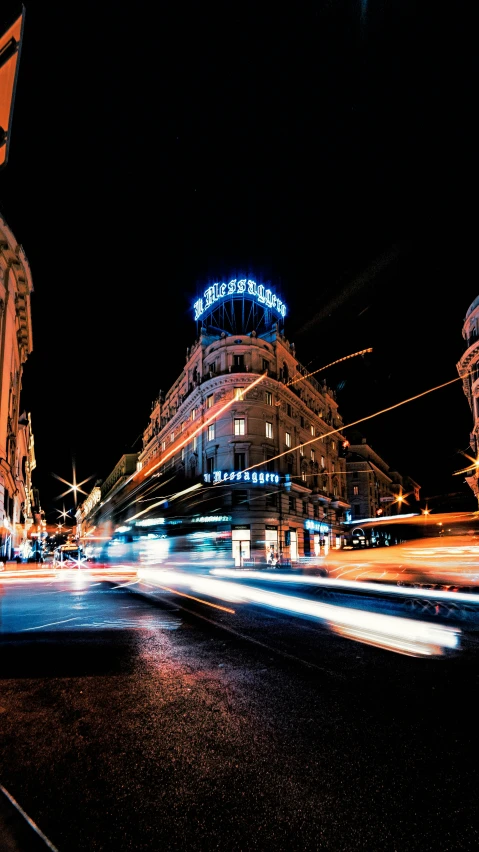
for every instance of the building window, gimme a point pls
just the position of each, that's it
(238, 361)
(268, 397)
(239, 461)
(183, 426)
(269, 430)
(195, 443)
(239, 498)
(313, 455)
(288, 409)
(163, 446)
(211, 432)
(194, 412)
(312, 429)
(269, 464)
(292, 503)
(355, 490)
(271, 500)
(305, 507)
(355, 474)
(265, 364)
(303, 475)
(316, 511)
(172, 437)
(301, 420)
(239, 426)
(183, 454)
(238, 393)
(301, 450)
(209, 401)
(333, 445)
(287, 439)
(322, 461)
(357, 510)
(210, 464)
(213, 366)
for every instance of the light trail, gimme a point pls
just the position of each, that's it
(191, 597)
(354, 423)
(332, 364)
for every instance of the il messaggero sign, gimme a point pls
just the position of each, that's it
(242, 476)
(241, 287)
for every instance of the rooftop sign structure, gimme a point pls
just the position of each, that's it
(218, 295)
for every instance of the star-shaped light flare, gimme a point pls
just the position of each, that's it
(74, 486)
(472, 467)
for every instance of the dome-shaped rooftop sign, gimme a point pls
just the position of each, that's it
(238, 288)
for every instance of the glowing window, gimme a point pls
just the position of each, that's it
(172, 437)
(194, 412)
(239, 426)
(209, 401)
(239, 393)
(301, 450)
(269, 430)
(355, 490)
(211, 432)
(163, 446)
(312, 429)
(287, 438)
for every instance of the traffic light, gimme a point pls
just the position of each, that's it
(10, 47)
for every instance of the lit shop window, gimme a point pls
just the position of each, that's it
(211, 432)
(239, 426)
(287, 438)
(269, 430)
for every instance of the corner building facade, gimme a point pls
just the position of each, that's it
(247, 422)
(468, 370)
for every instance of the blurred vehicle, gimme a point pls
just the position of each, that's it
(69, 556)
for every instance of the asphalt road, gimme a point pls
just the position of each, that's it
(132, 722)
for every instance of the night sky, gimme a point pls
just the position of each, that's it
(326, 149)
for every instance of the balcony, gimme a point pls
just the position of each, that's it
(469, 357)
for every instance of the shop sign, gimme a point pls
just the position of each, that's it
(211, 519)
(316, 526)
(252, 477)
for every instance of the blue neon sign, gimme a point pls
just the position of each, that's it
(253, 477)
(238, 287)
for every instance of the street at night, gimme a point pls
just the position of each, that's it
(139, 720)
(239, 428)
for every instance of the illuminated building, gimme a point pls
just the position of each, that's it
(468, 369)
(16, 442)
(246, 420)
(374, 489)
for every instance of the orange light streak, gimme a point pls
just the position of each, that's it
(192, 598)
(176, 447)
(354, 423)
(344, 358)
